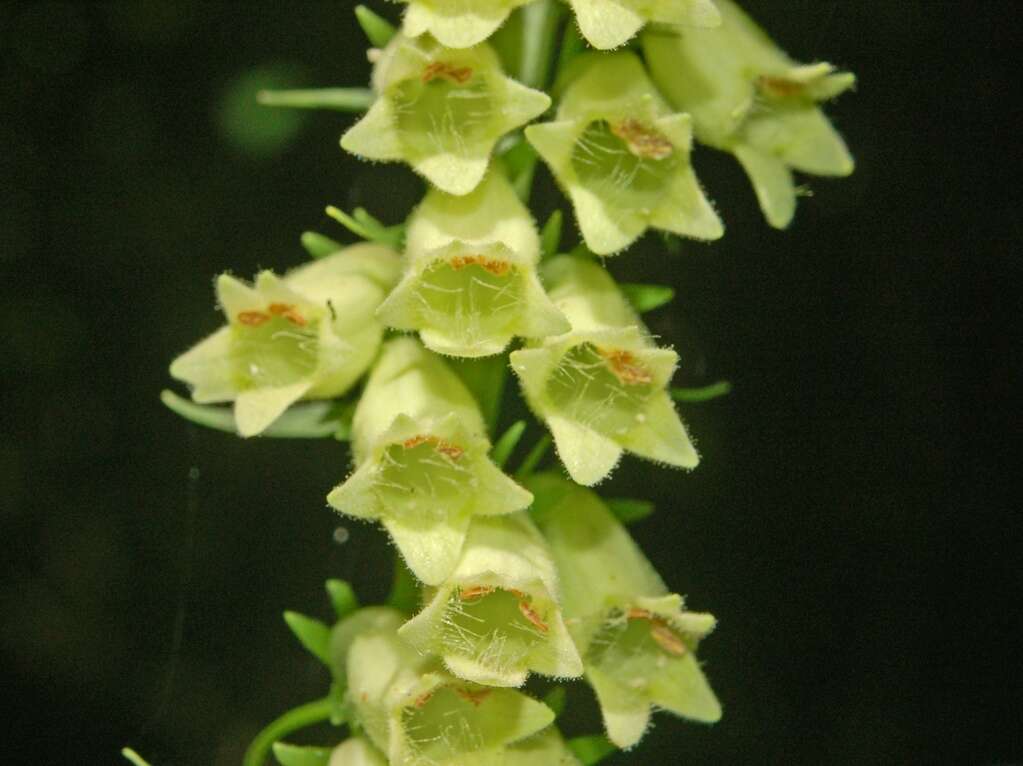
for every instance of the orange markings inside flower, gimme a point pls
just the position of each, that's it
(530, 614)
(642, 140)
(624, 365)
(446, 71)
(446, 448)
(475, 592)
(779, 87)
(253, 318)
(475, 697)
(662, 633)
(422, 699)
(288, 312)
(493, 265)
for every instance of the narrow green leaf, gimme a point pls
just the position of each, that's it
(550, 235)
(485, 378)
(318, 245)
(295, 719)
(592, 749)
(295, 755)
(363, 225)
(647, 297)
(532, 460)
(404, 595)
(629, 510)
(311, 633)
(312, 420)
(336, 99)
(506, 444)
(703, 394)
(379, 30)
(342, 597)
(556, 699)
(135, 758)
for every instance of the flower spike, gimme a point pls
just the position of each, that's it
(622, 157)
(471, 283)
(601, 388)
(310, 335)
(608, 24)
(747, 97)
(421, 456)
(637, 641)
(441, 110)
(416, 713)
(455, 23)
(496, 617)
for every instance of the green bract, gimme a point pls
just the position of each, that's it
(601, 387)
(607, 24)
(418, 714)
(457, 23)
(441, 110)
(622, 157)
(496, 617)
(422, 469)
(637, 641)
(748, 98)
(310, 335)
(470, 283)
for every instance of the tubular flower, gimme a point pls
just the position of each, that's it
(356, 751)
(456, 23)
(421, 460)
(497, 617)
(309, 335)
(608, 24)
(637, 641)
(418, 714)
(601, 387)
(622, 157)
(749, 98)
(470, 283)
(441, 110)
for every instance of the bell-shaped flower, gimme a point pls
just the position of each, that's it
(308, 335)
(496, 617)
(421, 457)
(608, 24)
(747, 97)
(441, 111)
(456, 23)
(637, 641)
(416, 713)
(601, 388)
(470, 283)
(622, 156)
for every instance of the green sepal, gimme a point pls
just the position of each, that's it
(378, 30)
(363, 225)
(629, 510)
(299, 755)
(647, 297)
(342, 597)
(318, 245)
(506, 444)
(336, 99)
(703, 393)
(311, 633)
(302, 421)
(591, 749)
(550, 235)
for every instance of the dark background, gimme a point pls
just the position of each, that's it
(851, 524)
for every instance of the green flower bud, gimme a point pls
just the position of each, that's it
(622, 157)
(637, 641)
(601, 388)
(497, 617)
(470, 283)
(356, 751)
(421, 456)
(747, 97)
(417, 713)
(310, 335)
(441, 110)
(456, 23)
(608, 24)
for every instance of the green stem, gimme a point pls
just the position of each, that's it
(704, 394)
(339, 99)
(539, 33)
(295, 719)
